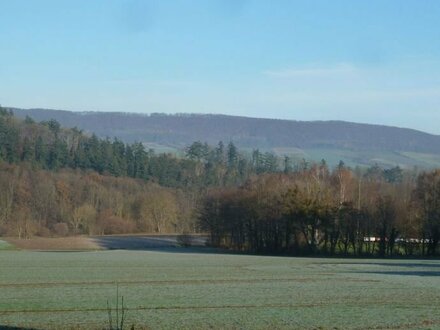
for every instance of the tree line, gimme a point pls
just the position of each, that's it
(317, 211)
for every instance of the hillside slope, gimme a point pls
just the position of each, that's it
(356, 144)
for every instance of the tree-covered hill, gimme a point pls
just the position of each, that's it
(56, 180)
(61, 181)
(355, 144)
(49, 146)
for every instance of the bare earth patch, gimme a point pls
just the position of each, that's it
(54, 244)
(111, 242)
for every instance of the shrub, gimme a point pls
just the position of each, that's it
(115, 225)
(61, 229)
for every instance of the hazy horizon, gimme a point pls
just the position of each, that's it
(375, 62)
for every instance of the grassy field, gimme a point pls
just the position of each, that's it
(177, 289)
(5, 246)
(354, 158)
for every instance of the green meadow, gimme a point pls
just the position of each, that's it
(178, 289)
(5, 245)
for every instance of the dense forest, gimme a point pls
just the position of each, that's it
(61, 181)
(58, 181)
(46, 145)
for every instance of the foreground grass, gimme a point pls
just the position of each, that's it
(6, 246)
(183, 290)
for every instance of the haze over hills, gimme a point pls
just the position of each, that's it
(355, 144)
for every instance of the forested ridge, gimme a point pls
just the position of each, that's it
(46, 145)
(183, 129)
(356, 144)
(59, 181)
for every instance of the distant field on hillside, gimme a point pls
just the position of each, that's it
(62, 290)
(355, 158)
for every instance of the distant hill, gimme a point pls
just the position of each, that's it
(355, 144)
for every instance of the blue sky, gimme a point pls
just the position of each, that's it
(364, 61)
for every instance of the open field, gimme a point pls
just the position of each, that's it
(207, 290)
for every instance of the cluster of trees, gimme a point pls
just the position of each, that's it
(317, 211)
(69, 202)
